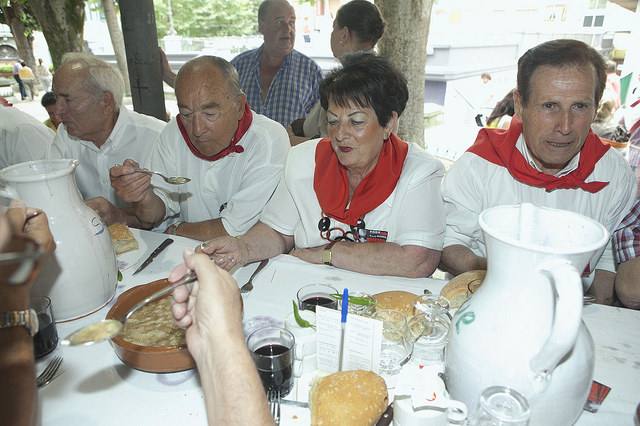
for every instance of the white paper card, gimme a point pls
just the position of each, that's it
(362, 341)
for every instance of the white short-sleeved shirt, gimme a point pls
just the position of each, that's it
(132, 137)
(23, 138)
(234, 188)
(412, 215)
(474, 184)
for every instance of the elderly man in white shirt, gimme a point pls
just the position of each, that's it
(548, 157)
(233, 156)
(23, 138)
(98, 130)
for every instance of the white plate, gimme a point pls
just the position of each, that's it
(130, 258)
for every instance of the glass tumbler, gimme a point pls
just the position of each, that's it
(430, 334)
(396, 343)
(313, 295)
(272, 350)
(433, 305)
(46, 339)
(362, 304)
(501, 406)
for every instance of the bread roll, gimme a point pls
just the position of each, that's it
(461, 287)
(122, 238)
(398, 300)
(348, 398)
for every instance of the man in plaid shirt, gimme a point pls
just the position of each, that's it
(279, 82)
(627, 253)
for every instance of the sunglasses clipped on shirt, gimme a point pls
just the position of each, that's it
(356, 233)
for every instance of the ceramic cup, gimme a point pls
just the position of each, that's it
(437, 409)
(455, 412)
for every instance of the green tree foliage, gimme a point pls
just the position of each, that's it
(206, 18)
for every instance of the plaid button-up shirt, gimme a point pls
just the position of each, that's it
(293, 91)
(626, 239)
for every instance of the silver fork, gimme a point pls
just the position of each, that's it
(274, 405)
(49, 373)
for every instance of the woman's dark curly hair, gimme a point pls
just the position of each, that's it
(366, 80)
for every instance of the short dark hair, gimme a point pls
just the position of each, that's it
(368, 81)
(363, 19)
(48, 98)
(560, 53)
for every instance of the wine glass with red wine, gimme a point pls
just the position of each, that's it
(272, 350)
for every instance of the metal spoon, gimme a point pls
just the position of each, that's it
(173, 180)
(106, 329)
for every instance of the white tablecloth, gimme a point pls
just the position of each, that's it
(97, 389)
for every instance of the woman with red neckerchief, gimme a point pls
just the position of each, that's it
(361, 199)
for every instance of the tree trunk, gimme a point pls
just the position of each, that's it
(24, 42)
(405, 44)
(62, 23)
(117, 40)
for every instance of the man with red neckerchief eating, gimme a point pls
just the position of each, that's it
(361, 199)
(548, 157)
(233, 156)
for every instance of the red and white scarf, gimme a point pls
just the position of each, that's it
(243, 125)
(331, 183)
(499, 147)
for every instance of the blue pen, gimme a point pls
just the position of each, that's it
(343, 323)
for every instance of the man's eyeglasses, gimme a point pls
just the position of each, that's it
(356, 233)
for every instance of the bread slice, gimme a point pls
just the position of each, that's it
(348, 398)
(122, 238)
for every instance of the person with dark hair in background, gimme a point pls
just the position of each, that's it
(17, 66)
(361, 199)
(357, 28)
(48, 101)
(28, 78)
(500, 117)
(549, 156)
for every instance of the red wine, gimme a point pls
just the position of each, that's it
(46, 339)
(310, 303)
(274, 364)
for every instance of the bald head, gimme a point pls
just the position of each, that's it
(266, 5)
(200, 69)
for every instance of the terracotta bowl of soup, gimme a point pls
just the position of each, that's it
(153, 359)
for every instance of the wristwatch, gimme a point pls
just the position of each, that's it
(27, 319)
(326, 253)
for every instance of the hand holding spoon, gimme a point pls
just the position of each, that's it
(106, 329)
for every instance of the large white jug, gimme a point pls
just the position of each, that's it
(81, 276)
(523, 328)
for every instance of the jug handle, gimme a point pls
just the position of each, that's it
(565, 279)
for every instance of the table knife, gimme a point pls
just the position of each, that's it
(153, 255)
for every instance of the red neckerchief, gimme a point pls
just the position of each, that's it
(243, 126)
(499, 147)
(331, 184)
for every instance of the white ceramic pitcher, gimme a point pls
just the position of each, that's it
(523, 328)
(81, 276)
